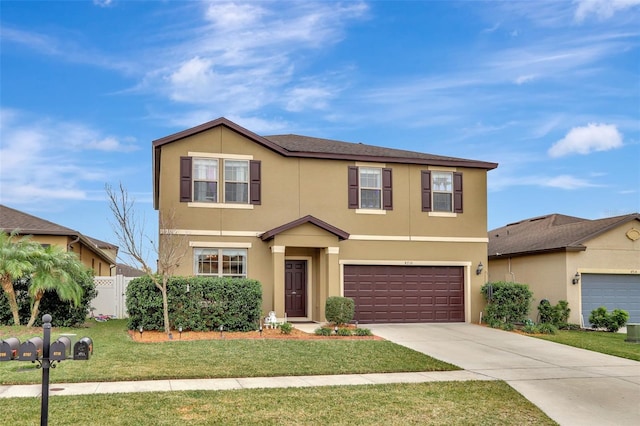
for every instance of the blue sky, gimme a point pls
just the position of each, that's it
(549, 90)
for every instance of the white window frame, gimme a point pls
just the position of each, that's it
(215, 179)
(244, 182)
(435, 190)
(220, 253)
(361, 187)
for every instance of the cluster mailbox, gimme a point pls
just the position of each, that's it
(9, 349)
(60, 349)
(31, 350)
(83, 349)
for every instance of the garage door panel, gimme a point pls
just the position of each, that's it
(405, 293)
(613, 291)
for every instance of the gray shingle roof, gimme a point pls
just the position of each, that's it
(11, 219)
(307, 144)
(26, 224)
(554, 232)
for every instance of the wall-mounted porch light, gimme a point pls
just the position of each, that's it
(479, 268)
(576, 278)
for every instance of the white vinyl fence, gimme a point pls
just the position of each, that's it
(111, 296)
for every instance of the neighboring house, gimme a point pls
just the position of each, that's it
(589, 263)
(400, 232)
(94, 254)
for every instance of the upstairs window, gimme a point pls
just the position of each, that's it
(221, 262)
(236, 181)
(442, 184)
(441, 191)
(241, 181)
(205, 180)
(370, 188)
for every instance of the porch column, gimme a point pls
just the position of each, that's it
(277, 255)
(332, 287)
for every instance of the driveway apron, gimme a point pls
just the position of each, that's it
(572, 386)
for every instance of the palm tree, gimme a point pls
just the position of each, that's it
(54, 270)
(15, 254)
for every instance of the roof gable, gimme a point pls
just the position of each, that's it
(342, 235)
(26, 224)
(550, 233)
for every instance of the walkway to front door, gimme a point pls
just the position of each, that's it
(295, 288)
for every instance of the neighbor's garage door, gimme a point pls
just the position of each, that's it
(405, 293)
(613, 292)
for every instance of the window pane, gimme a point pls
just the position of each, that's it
(370, 198)
(236, 171)
(236, 192)
(370, 178)
(442, 181)
(442, 202)
(206, 261)
(234, 262)
(205, 169)
(205, 191)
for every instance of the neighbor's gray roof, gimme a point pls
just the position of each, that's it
(554, 232)
(26, 224)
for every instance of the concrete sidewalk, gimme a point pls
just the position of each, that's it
(572, 386)
(15, 391)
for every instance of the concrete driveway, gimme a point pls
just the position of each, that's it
(572, 386)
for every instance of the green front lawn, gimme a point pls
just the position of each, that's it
(452, 403)
(117, 357)
(597, 341)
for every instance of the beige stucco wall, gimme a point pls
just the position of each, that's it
(86, 255)
(293, 188)
(550, 275)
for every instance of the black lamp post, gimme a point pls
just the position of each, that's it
(180, 332)
(140, 330)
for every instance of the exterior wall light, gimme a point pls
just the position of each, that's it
(479, 268)
(576, 278)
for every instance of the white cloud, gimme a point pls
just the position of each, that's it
(584, 140)
(602, 9)
(567, 182)
(103, 3)
(229, 16)
(524, 79)
(45, 159)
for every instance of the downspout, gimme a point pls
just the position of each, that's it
(69, 248)
(513, 276)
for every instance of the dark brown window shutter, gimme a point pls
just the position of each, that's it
(353, 187)
(255, 177)
(387, 190)
(185, 179)
(426, 190)
(457, 192)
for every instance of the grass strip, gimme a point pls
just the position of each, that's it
(597, 341)
(117, 357)
(448, 403)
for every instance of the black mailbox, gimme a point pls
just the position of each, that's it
(31, 350)
(60, 349)
(83, 349)
(9, 349)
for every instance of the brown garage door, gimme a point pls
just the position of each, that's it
(405, 293)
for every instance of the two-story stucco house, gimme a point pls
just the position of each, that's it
(402, 233)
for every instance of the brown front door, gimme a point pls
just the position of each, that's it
(295, 288)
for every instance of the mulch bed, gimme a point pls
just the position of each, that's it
(296, 334)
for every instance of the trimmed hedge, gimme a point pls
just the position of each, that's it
(63, 313)
(196, 303)
(339, 310)
(508, 302)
